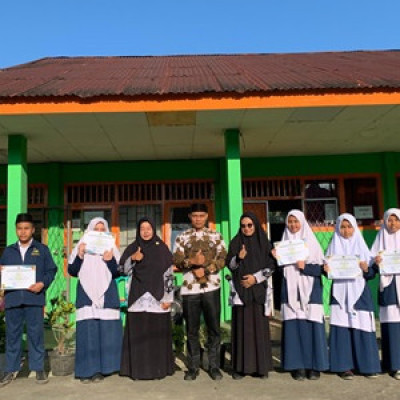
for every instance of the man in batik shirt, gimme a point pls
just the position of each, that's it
(200, 254)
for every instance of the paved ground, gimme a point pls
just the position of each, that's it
(279, 386)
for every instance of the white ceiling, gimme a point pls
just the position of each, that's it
(265, 132)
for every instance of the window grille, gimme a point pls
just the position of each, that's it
(272, 188)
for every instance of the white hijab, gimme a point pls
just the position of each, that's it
(386, 240)
(297, 282)
(94, 275)
(348, 291)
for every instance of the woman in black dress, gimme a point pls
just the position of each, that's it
(147, 345)
(251, 264)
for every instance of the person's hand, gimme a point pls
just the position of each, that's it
(273, 252)
(165, 306)
(137, 255)
(36, 287)
(248, 281)
(301, 264)
(108, 255)
(326, 268)
(378, 260)
(81, 250)
(243, 252)
(364, 266)
(199, 272)
(198, 259)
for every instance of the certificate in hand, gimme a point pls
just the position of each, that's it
(344, 267)
(17, 276)
(390, 264)
(291, 251)
(98, 242)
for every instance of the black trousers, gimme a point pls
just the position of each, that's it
(210, 305)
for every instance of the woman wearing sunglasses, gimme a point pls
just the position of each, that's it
(251, 263)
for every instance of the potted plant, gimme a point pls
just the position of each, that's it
(62, 358)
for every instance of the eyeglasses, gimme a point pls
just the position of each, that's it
(246, 225)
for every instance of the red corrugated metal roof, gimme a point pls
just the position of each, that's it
(87, 77)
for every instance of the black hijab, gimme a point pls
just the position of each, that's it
(148, 274)
(258, 257)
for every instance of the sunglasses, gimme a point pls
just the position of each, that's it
(246, 225)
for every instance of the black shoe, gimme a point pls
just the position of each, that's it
(299, 374)
(265, 376)
(96, 378)
(215, 374)
(347, 375)
(313, 375)
(236, 376)
(7, 378)
(191, 374)
(41, 377)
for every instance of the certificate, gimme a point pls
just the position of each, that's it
(390, 264)
(344, 267)
(290, 251)
(17, 276)
(98, 242)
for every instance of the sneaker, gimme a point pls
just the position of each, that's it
(41, 377)
(7, 378)
(215, 374)
(347, 375)
(313, 375)
(299, 374)
(85, 380)
(396, 375)
(371, 376)
(96, 378)
(191, 374)
(236, 376)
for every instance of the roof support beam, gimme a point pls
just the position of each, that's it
(17, 189)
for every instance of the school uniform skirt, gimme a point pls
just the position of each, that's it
(352, 348)
(304, 345)
(98, 347)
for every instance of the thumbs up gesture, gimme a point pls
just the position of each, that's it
(137, 255)
(198, 259)
(243, 252)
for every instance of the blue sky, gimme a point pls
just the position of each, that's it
(32, 29)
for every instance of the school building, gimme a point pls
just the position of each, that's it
(123, 137)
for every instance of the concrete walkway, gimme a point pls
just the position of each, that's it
(280, 385)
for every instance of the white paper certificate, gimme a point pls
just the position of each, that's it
(290, 251)
(390, 264)
(17, 276)
(98, 242)
(344, 267)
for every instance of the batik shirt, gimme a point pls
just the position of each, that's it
(212, 246)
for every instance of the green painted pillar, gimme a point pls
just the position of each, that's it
(17, 183)
(233, 179)
(231, 202)
(222, 219)
(391, 166)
